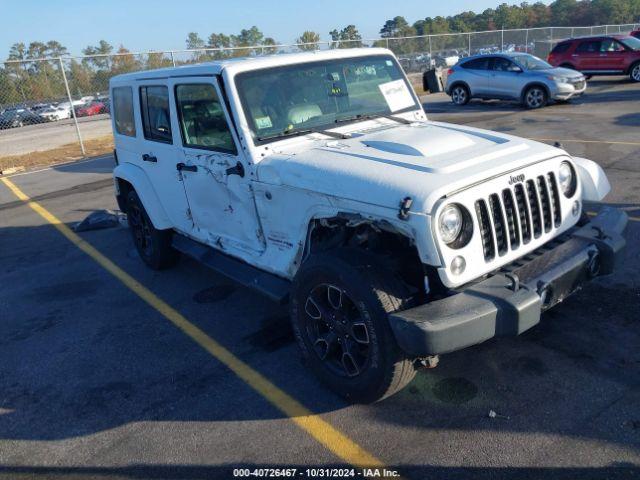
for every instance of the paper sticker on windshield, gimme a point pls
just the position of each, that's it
(263, 122)
(397, 95)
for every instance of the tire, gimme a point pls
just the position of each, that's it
(535, 97)
(154, 246)
(634, 72)
(339, 309)
(460, 95)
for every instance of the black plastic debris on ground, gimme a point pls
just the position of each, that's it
(101, 219)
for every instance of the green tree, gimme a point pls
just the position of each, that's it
(247, 38)
(157, 60)
(80, 79)
(563, 12)
(18, 51)
(269, 46)
(308, 40)
(348, 37)
(124, 62)
(194, 41)
(98, 55)
(9, 92)
(220, 41)
(395, 27)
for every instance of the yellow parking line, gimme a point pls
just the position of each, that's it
(331, 438)
(634, 219)
(564, 140)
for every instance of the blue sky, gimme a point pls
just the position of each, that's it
(142, 25)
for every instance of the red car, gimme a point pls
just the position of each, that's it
(635, 33)
(94, 108)
(601, 55)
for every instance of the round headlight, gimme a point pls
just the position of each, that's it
(567, 179)
(450, 223)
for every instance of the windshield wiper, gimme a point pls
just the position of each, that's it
(295, 133)
(360, 116)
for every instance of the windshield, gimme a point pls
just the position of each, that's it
(631, 42)
(283, 101)
(529, 62)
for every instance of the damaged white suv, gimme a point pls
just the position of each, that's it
(317, 179)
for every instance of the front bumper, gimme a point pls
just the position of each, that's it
(565, 91)
(511, 301)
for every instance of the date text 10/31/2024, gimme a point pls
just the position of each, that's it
(315, 472)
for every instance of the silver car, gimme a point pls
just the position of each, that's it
(512, 76)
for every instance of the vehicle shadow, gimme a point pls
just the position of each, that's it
(628, 120)
(444, 105)
(79, 355)
(606, 96)
(97, 164)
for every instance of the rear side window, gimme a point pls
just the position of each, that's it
(611, 45)
(477, 64)
(561, 47)
(592, 46)
(202, 120)
(156, 119)
(123, 111)
(502, 64)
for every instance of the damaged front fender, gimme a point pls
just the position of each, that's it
(595, 185)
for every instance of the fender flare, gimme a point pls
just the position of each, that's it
(595, 184)
(148, 196)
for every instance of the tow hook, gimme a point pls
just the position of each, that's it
(515, 281)
(593, 264)
(600, 235)
(546, 293)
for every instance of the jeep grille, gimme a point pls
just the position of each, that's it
(511, 218)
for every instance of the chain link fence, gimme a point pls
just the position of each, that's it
(57, 109)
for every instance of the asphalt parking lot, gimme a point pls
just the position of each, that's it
(45, 136)
(96, 383)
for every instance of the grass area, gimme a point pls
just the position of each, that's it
(63, 154)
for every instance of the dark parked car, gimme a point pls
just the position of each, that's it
(601, 55)
(635, 33)
(17, 117)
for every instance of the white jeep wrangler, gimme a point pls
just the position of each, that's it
(317, 179)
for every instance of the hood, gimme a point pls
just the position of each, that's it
(424, 161)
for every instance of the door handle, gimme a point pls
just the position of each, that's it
(237, 170)
(187, 168)
(149, 158)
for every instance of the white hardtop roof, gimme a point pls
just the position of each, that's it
(235, 65)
